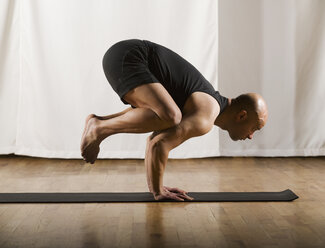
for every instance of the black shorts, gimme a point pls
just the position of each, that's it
(125, 66)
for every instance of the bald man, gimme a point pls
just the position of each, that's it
(171, 98)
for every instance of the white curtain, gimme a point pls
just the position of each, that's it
(276, 48)
(51, 75)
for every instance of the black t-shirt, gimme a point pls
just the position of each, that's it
(178, 76)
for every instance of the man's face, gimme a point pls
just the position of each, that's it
(244, 127)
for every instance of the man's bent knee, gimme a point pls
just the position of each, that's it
(173, 117)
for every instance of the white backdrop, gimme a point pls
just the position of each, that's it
(276, 48)
(51, 75)
(52, 69)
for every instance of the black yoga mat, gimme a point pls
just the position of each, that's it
(286, 195)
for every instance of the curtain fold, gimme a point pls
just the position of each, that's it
(310, 77)
(10, 65)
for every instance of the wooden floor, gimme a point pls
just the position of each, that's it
(300, 223)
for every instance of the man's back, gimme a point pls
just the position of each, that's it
(179, 77)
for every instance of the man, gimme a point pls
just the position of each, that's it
(170, 97)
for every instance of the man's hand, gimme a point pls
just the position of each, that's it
(174, 190)
(178, 191)
(173, 193)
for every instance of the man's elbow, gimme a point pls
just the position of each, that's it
(203, 127)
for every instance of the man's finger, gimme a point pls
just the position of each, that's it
(179, 199)
(187, 197)
(178, 190)
(175, 197)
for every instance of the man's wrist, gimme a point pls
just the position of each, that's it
(157, 192)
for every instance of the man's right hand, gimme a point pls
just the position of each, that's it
(171, 195)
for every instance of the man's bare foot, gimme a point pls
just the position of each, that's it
(90, 142)
(85, 128)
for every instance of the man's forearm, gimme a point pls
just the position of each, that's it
(155, 163)
(161, 143)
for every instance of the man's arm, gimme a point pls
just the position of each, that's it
(161, 143)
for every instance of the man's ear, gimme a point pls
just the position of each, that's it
(242, 115)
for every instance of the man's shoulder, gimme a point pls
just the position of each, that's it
(203, 104)
(200, 111)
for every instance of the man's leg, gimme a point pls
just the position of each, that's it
(103, 118)
(155, 110)
(138, 120)
(113, 115)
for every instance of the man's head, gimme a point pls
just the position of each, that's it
(246, 114)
